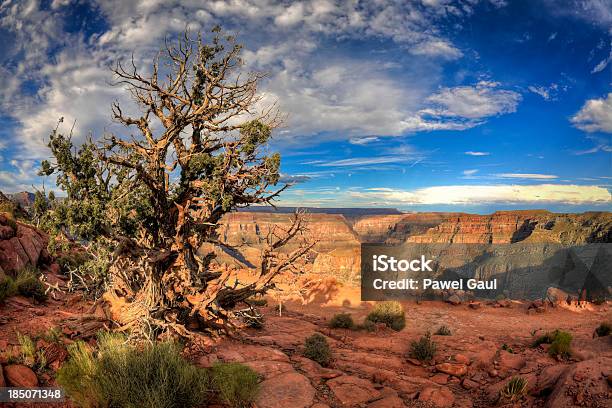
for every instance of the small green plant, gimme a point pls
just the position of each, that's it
(28, 284)
(443, 331)
(390, 313)
(604, 329)
(52, 335)
(507, 348)
(317, 349)
(424, 349)
(7, 288)
(27, 350)
(515, 388)
(560, 343)
(121, 375)
(236, 384)
(341, 321)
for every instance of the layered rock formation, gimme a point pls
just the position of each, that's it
(505, 227)
(340, 237)
(20, 246)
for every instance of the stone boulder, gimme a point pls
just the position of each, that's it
(20, 376)
(452, 369)
(21, 246)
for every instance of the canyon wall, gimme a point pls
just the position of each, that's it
(339, 236)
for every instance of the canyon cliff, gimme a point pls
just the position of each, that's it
(339, 238)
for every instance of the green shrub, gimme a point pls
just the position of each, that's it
(317, 349)
(507, 348)
(515, 388)
(390, 313)
(28, 284)
(27, 349)
(560, 343)
(121, 375)
(236, 384)
(7, 288)
(341, 321)
(443, 331)
(424, 349)
(604, 329)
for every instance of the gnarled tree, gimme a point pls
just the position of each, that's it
(159, 194)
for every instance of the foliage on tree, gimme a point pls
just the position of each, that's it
(196, 150)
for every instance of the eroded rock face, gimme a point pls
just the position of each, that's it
(20, 246)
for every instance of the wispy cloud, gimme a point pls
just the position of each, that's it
(360, 141)
(530, 176)
(470, 172)
(472, 153)
(364, 161)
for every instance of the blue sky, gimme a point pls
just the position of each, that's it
(429, 105)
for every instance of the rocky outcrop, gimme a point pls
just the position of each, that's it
(505, 227)
(21, 245)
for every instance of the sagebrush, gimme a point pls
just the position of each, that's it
(317, 349)
(341, 321)
(390, 313)
(424, 349)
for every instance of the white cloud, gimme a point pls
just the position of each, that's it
(472, 102)
(437, 48)
(530, 176)
(470, 172)
(471, 153)
(484, 194)
(360, 141)
(595, 115)
(323, 97)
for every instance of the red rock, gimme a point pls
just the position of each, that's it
(510, 360)
(2, 382)
(246, 352)
(55, 269)
(441, 397)
(469, 384)
(314, 371)
(20, 376)
(475, 305)
(287, 390)
(461, 359)
(352, 391)
(388, 402)
(440, 378)
(269, 369)
(453, 369)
